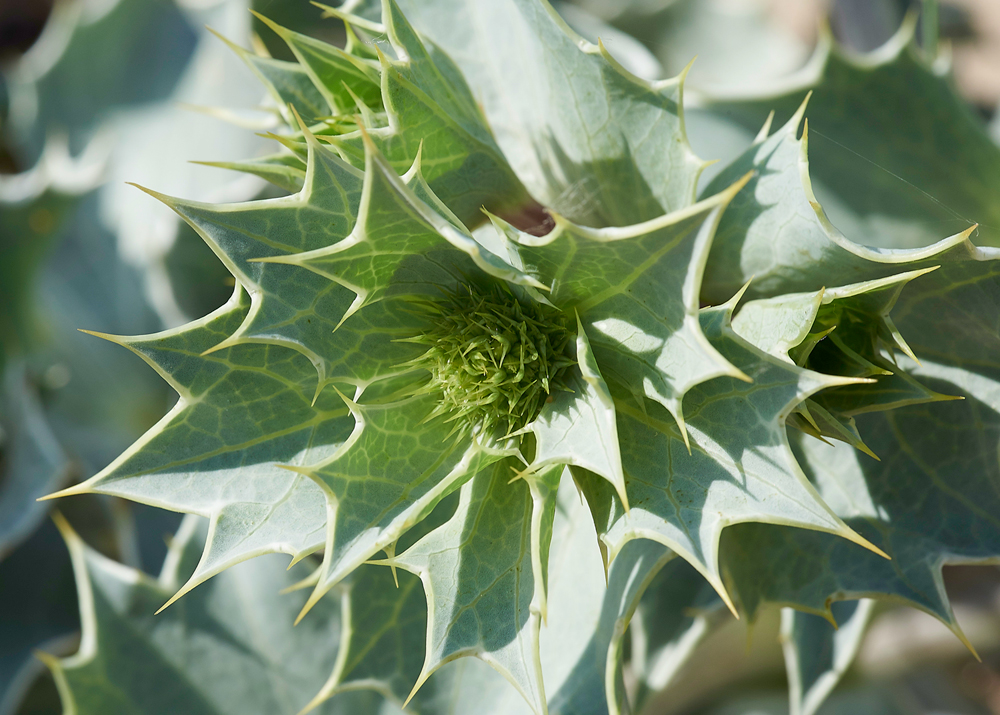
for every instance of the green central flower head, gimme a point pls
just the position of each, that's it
(493, 358)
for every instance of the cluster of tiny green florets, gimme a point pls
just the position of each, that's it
(493, 358)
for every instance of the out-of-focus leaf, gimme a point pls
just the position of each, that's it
(228, 647)
(817, 654)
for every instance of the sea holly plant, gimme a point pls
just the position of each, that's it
(509, 385)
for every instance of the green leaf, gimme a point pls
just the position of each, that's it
(389, 474)
(817, 654)
(34, 206)
(33, 464)
(739, 467)
(596, 684)
(363, 239)
(860, 334)
(289, 84)
(290, 306)
(38, 594)
(578, 427)
(431, 111)
(677, 612)
(635, 290)
(285, 170)
(340, 77)
(384, 625)
(384, 629)
(217, 456)
(931, 500)
(580, 641)
(918, 165)
(776, 233)
(73, 79)
(477, 575)
(400, 239)
(590, 141)
(228, 647)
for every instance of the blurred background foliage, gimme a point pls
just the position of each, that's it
(94, 93)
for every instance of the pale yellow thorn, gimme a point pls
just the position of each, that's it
(74, 490)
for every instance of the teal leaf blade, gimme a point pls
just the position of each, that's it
(596, 685)
(740, 467)
(431, 111)
(635, 290)
(590, 141)
(217, 457)
(227, 648)
(929, 180)
(383, 625)
(846, 331)
(339, 76)
(817, 654)
(396, 466)
(382, 642)
(936, 467)
(400, 245)
(288, 83)
(291, 306)
(34, 464)
(776, 232)
(678, 610)
(949, 468)
(577, 426)
(481, 593)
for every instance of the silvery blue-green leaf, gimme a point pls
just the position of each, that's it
(228, 647)
(677, 612)
(928, 502)
(631, 53)
(477, 574)
(739, 467)
(33, 462)
(581, 639)
(635, 290)
(596, 683)
(291, 306)
(341, 78)
(934, 177)
(55, 277)
(285, 170)
(70, 79)
(591, 141)
(776, 233)
(62, 87)
(36, 590)
(431, 111)
(817, 654)
(578, 427)
(384, 648)
(949, 470)
(935, 313)
(34, 206)
(289, 85)
(845, 330)
(384, 626)
(399, 240)
(400, 461)
(746, 48)
(187, 127)
(220, 459)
